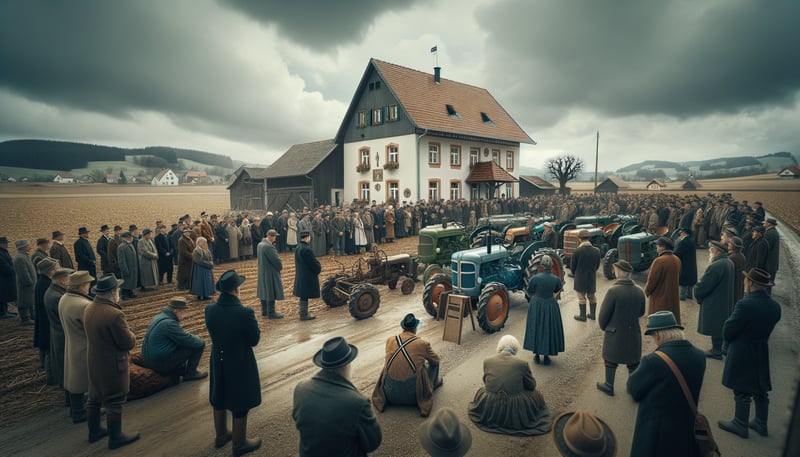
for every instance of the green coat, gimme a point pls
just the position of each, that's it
(714, 294)
(269, 286)
(620, 311)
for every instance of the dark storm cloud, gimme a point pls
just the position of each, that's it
(680, 58)
(320, 24)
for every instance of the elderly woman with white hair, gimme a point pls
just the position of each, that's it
(544, 330)
(509, 403)
(203, 270)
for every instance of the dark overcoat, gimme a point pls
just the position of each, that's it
(773, 250)
(714, 294)
(269, 285)
(59, 252)
(747, 332)
(8, 278)
(233, 328)
(108, 341)
(41, 325)
(686, 251)
(52, 296)
(84, 255)
(756, 254)
(113, 247)
(307, 269)
(164, 254)
(662, 285)
(128, 263)
(737, 258)
(185, 263)
(584, 264)
(664, 421)
(333, 418)
(620, 311)
(101, 247)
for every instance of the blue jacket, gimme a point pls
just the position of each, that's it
(165, 336)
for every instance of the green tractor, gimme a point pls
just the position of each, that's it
(437, 243)
(637, 248)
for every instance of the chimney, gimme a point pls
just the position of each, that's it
(437, 71)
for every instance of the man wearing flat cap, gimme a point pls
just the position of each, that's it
(332, 416)
(8, 280)
(664, 422)
(714, 294)
(169, 349)
(70, 311)
(746, 371)
(686, 251)
(306, 279)
(84, 254)
(270, 286)
(53, 337)
(42, 250)
(584, 264)
(25, 282)
(410, 372)
(59, 252)
(662, 286)
(774, 246)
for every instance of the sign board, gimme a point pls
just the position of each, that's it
(454, 317)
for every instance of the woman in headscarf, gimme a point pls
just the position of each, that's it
(246, 241)
(202, 272)
(544, 331)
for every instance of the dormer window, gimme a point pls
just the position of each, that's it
(452, 112)
(486, 120)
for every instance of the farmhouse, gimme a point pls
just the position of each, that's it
(165, 177)
(196, 177)
(611, 185)
(64, 178)
(411, 135)
(656, 184)
(530, 186)
(112, 178)
(790, 172)
(691, 184)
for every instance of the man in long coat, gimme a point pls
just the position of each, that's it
(739, 263)
(270, 286)
(25, 275)
(388, 223)
(128, 263)
(662, 286)
(756, 252)
(84, 254)
(109, 341)
(584, 264)
(686, 251)
(165, 256)
(774, 244)
(59, 252)
(235, 385)
(318, 230)
(620, 311)
(664, 422)
(306, 279)
(234, 235)
(185, 263)
(71, 307)
(714, 294)
(746, 370)
(148, 260)
(53, 294)
(101, 247)
(113, 248)
(8, 280)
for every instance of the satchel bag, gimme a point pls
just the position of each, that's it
(705, 446)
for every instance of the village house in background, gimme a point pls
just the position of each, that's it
(165, 177)
(112, 178)
(196, 177)
(64, 178)
(656, 184)
(691, 184)
(791, 172)
(611, 185)
(531, 186)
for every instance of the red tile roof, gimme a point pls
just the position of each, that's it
(489, 172)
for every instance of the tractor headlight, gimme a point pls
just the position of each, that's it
(480, 280)
(438, 250)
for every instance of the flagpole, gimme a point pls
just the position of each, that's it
(596, 155)
(435, 52)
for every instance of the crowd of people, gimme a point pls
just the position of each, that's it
(84, 340)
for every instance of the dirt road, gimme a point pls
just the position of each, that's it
(178, 421)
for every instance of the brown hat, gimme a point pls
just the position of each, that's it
(665, 242)
(178, 303)
(61, 272)
(581, 434)
(443, 435)
(583, 234)
(624, 265)
(272, 232)
(41, 241)
(718, 245)
(79, 277)
(759, 276)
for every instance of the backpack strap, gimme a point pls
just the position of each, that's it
(401, 348)
(677, 372)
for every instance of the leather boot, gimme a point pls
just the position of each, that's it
(96, 432)
(759, 424)
(592, 309)
(271, 313)
(582, 316)
(77, 408)
(608, 386)
(117, 439)
(304, 316)
(264, 308)
(221, 428)
(241, 444)
(738, 425)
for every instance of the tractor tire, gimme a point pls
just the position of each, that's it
(430, 271)
(608, 263)
(493, 307)
(392, 284)
(407, 286)
(364, 301)
(433, 288)
(535, 267)
(329, 295)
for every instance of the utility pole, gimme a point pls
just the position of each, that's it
(596, 156)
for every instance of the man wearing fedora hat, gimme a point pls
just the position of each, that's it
(714, 294)
(443, 435)
(25, 275)
(622, 306)
(306, 279)
(332, 416)
(128, 263)
(70, 310)
(664, 422)
(169, 349)
(756, 252)
(148, 261)
(42, 250)
(686, 251)
(410, 372)
(101, 248)
(53, 337)
(108, 342)
(739, 263)
(584, 264)
(662, 286)
(235, 385)
(113, 247)
(774, 246)
(59, 252)
(270, 285)
(746, 370)
(84, 254)
(185, 259)
(8, 280)
(581, 433)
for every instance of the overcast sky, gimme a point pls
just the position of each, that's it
(676, 80)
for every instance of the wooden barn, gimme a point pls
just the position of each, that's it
(530, 186)
(691, 184)
(611, 185)
(248, 190)
(656, 184)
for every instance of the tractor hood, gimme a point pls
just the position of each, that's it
(479, 255)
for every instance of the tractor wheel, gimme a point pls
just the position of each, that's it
(535, 266)
(493, 307)
(433, 289)
(364, 301)
(329, 294)
(407, 286)
(430, 271)
(608, 263)
(392, 284)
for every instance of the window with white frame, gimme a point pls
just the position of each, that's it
(376, 116)
(391, 154)
(496, 156)
(474, 154)
(393, 190)
(392, 114)
(362, 119)
(509, 160)
(509, 190)
(364, 156)
(474, 192)
(455, 190)
(433, 154)
(433, 190)
(364, 190)
(455, 156)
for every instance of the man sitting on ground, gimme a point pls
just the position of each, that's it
(169, 349)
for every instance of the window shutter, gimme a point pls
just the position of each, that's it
(384, 114)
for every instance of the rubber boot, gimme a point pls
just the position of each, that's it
(117, 439)
(592, 309)
(241, 444)
(66, 399)
(264, 308)
(759, 424)
(271, 313)
(77, 408)
(304, 316)
(221, 428)
(96, 432)
(582, 316)
(738, 426)
(608, 386)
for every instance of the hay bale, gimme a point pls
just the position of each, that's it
(144, 381)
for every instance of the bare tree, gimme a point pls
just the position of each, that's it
(564, 169)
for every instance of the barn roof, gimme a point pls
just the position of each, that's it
(615, 181)
(300, 159)
(538, 182)
(489, 172)
(658, 182)
(691, 183)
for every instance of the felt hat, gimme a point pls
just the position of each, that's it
(57, 234)
(82, 230)
(19, 244)
(686, 230)
(127, 235)
(737, 243)
(443, 435)
(583, 234)
(46, 264)
(410, 322)
(304, 234)
(759, 276)
(146, 231)
(178, 303)
(661, 320)
(624, 265)
(229, 281)
(582, 434)
(104, 227)
(666, 242)
(132, 227)
(106, 284)
(272, 232)
(117, 227)
(61, 272)
(771, 221)
(758, 228)
(3, 240)
(335, 353)
(731, 231)
(718, 245)
(79, 277)
(41, 241)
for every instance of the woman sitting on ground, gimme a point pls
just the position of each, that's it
(509, 402)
